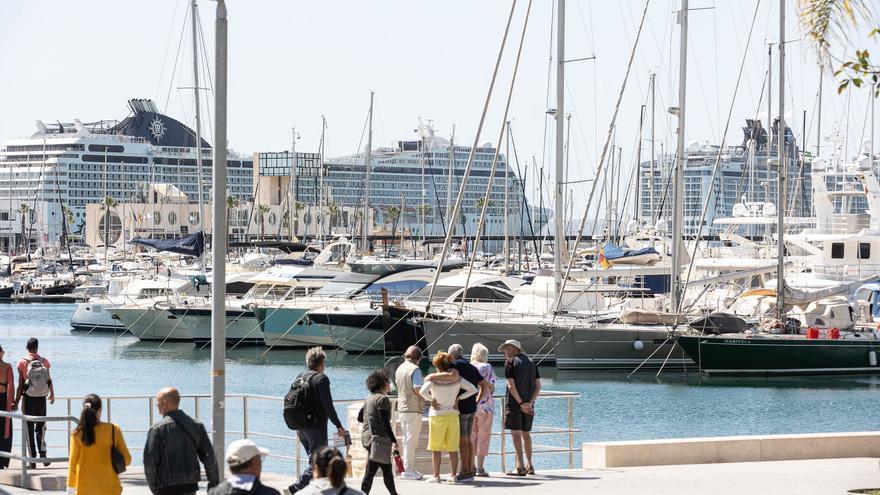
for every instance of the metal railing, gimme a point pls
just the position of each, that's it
(23, 458)
(244, 412)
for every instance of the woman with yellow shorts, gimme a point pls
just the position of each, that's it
(441, 391)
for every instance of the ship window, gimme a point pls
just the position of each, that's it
(864, 250)
(108, 148)
(837, 250)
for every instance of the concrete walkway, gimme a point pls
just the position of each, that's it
(826, 476)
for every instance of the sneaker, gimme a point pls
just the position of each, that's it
(43, 456)
(435, 479)
(453, 480)
(465, 478)
(481, 473)
(411, 475)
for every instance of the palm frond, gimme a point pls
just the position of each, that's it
(826, 21)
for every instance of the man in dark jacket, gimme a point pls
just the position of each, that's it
(315, 437)
(175, 445)
(245, 462)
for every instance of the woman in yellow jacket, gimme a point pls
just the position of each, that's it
(91, 471)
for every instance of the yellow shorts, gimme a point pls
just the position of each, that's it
(443, 433)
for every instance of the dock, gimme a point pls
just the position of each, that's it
(816, 477)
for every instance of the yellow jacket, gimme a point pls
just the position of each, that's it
(90, 471)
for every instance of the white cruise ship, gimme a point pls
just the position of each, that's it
(74, 164)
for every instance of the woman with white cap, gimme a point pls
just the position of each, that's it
(245, 461)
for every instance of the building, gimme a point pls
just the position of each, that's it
(747, 173)
(416, 178)
(76, 164)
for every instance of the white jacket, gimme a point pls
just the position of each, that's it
(445, 395)
(322, 486)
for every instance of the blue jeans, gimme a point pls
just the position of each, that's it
(311, 439)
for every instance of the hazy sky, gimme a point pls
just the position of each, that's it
(293, 61)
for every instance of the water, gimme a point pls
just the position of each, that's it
(611, 407)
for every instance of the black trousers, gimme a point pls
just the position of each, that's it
(387, 476)
(5, 442)
(36, 430)
(311, 439)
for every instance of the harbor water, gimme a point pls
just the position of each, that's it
(611, 406)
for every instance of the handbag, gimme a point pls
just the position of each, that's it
(117, 460)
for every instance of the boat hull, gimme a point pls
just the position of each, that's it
(242, 328)
(288, 327)
(94, 317)
(152, 324)
(783, 355)
(353, 331)
(535, 339)
(617, 347)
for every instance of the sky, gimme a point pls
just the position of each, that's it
(292, 62)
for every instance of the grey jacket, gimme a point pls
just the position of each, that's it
(174, 447)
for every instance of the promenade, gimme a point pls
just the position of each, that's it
(816, 477)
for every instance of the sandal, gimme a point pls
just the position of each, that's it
(530, 470)
(518, 472)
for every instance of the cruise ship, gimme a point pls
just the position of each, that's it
(405, 176)
(71, 165)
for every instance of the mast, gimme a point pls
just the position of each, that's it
(678, 171)
(218, 288)
(420, 211)
(560, 135)
(365, 243)
(638, 197)
(506, 199)
(653, 153)
(781, 169)
(321, 199)
(195, 36)
(819, 111)
(449, 181)
(292, 220)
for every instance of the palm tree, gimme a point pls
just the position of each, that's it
(263, 210)
(297, 207)
(23, 214)
(333, 208)
(67, 218)
(231, 204)
(392, 214)
(107, 205)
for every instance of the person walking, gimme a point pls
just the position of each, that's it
(90, 470)
(523, 388)
(314, 435)
(467, 407)
(410, 409)
(35, 386)
(7, 400)
(378, 436)
(443, 424)
(329, 469)
(174, 447)
(481, 433)
(245, 461)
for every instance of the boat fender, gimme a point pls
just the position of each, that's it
(638, 345)
(872, 358)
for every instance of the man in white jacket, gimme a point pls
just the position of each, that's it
(443, 394)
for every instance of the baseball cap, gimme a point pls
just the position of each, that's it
(242, 451)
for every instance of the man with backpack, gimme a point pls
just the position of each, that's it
(35, 385)
(307, 408)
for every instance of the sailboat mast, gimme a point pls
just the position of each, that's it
(365, 246)
(678, 170)
(781, 170)
(637, 203)
(449, 219)
(322, 201)
(507, 198)
(195, 46)
(819, 111)
(653, 153)
(292, 219)
(560, 137)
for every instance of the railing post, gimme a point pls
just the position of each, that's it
(196, 400)
(503, 435)
(298, 470)
(68, 423)
(571, 433)
(244, 415)
(109, 410)
(151, 412)
(24, 453)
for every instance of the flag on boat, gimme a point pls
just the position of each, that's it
(603, 261)
(192, 245)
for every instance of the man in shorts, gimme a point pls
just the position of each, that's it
(523, 387)
(466, 410)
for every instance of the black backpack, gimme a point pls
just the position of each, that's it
(299, 403)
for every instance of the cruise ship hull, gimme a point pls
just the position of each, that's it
(536, 341)
(355, 331)
(242, 327)
(94, 317)
(288, 327)
(152, 324)
(617, 347)
(781, 355)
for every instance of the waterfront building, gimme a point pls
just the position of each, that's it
(411, 177)
(76, 164)
(747, 173)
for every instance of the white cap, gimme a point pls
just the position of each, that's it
(242, 451)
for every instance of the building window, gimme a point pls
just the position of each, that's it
(193, 217)
(864, 250)
(157, 218)
(837, 250)
(172, 218)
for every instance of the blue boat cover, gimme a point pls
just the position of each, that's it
(614, 252)
(192, 245)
